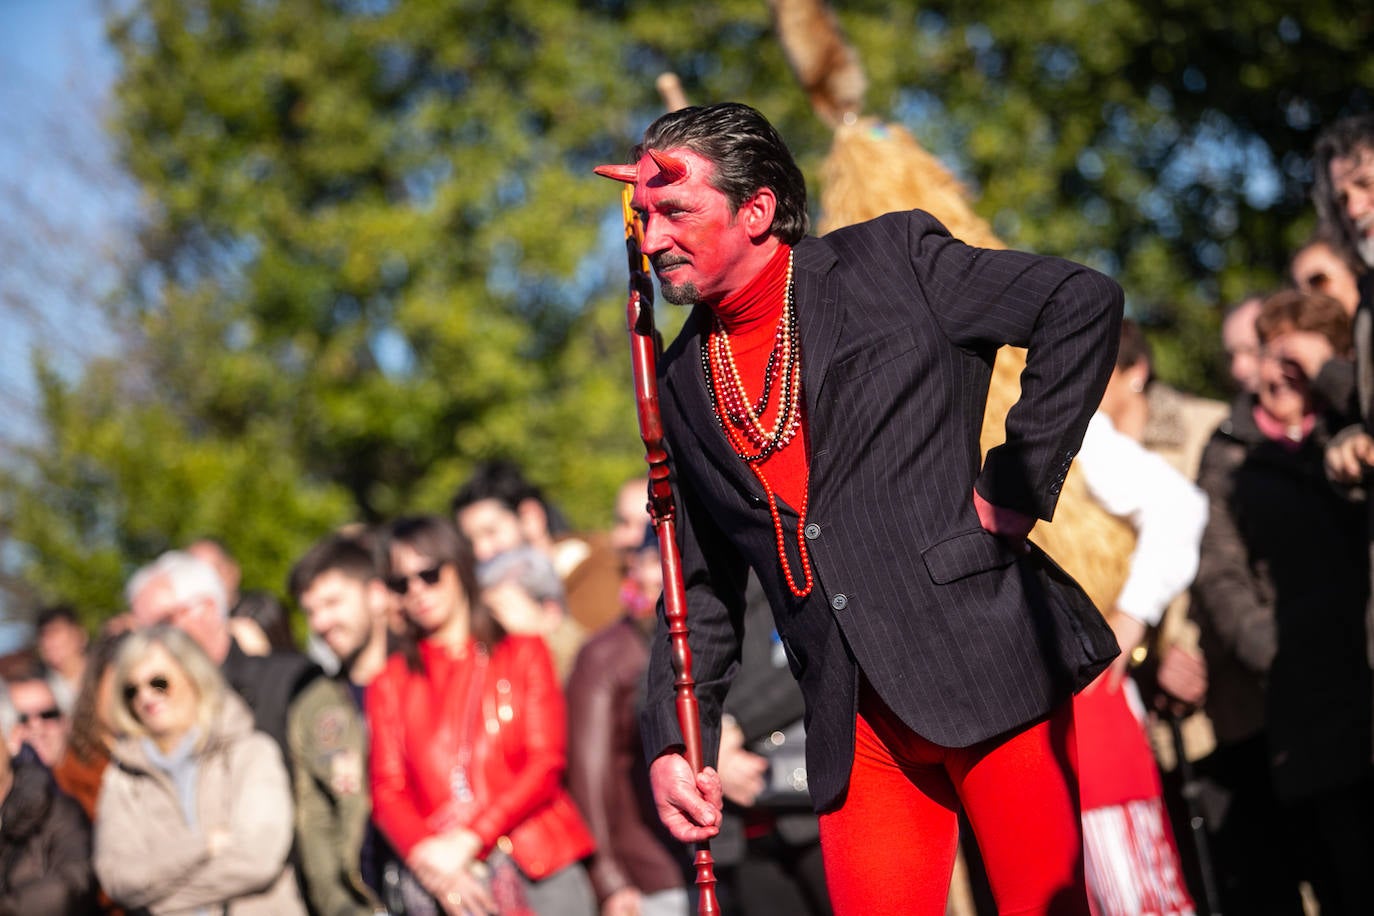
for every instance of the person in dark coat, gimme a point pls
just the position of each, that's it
(1279, 598)
(45, 843)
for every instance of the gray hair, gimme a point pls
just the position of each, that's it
(190, 578)
(526, 567)
(187, 655)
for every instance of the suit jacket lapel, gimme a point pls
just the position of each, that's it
(689, 385)
(820, 320)
(820, 317)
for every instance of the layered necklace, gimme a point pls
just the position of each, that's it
(742, 417)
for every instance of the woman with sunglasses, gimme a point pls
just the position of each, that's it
(468, 747)
(194, 813)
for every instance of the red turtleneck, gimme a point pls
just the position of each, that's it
(750, 316)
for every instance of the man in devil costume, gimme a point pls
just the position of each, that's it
(823, 405)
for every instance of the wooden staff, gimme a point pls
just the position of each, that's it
(644, 350)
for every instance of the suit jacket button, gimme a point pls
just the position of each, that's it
(812, 531)
(840, 602)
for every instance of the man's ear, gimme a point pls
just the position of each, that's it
(756, 213)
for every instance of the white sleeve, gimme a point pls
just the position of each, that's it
(1166, 510)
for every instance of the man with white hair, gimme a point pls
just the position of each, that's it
(311, 718)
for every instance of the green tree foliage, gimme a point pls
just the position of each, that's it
(1166, 141)
(374, 253)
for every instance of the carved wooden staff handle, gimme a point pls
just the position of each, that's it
(644, 349)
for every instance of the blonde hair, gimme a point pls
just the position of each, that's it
(200, 672)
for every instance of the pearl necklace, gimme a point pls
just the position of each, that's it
(740, 419)
(742, 422)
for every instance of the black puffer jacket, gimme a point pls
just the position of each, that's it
(45, 847)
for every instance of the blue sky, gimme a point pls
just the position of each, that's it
(61, 197)
(61, 203)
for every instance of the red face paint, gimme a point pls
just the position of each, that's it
(700, 251)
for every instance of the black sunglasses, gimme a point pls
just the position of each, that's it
(401, 584)
(157, 682)
(47, 715)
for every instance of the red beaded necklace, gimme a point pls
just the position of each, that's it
(741, 417)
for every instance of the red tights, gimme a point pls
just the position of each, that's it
(889, 849)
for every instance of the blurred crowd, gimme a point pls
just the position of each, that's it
(458, 734)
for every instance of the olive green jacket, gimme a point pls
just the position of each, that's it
(328, 745)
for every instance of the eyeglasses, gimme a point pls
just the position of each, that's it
(158, 683)
(401, 584)
(51, 714)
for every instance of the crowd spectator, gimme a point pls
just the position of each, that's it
(29, 715)
(311, 718)
(62, 644)
(1133, 864)
(82, 768)
(1319, 267)
(1280, 598)
(195, 808)
(468, 730)
(525, 595)
(1343, 166)
(45, 843)
(1241, 343)
(259, 625)
(92, 733)
(637, 869)
(631, 513)
(498, 509)
(257, 619)
(340, 590)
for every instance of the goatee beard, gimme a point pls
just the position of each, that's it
(679, 293)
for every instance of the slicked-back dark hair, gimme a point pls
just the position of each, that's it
(1340, 140)
(748, 155)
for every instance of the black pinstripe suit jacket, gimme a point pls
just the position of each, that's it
(961, 636)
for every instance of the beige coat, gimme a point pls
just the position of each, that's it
(147, 855)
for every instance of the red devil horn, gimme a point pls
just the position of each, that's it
(626, 173)
(673, 168)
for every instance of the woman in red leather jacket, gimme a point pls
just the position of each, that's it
(468, 737)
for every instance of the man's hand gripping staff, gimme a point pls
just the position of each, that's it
(644, 349)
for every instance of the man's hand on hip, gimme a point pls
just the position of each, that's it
(1008, 524)
(688, 804)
